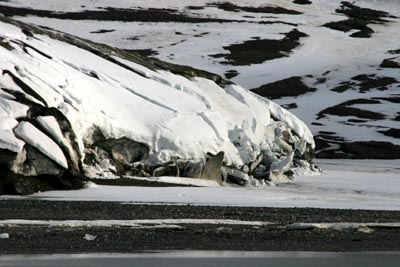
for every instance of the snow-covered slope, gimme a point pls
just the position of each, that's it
(333, 63)
(70, 108)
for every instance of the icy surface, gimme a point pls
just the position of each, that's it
(324, 50)
(364, 184)
(174, 116)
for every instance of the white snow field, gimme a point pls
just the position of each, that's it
(364, 184)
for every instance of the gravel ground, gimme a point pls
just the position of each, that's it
(40, 239)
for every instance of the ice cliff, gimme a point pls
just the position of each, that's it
(72, 110)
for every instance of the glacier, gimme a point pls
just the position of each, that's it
(73, 110)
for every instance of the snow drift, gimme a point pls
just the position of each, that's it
(72, 110)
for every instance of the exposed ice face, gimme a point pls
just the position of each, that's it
(78, 104)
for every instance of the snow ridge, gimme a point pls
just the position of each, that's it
(131, 115)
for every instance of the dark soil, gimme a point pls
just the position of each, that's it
(277, 22)
(263, 9)
(231, 74)
(102, 31)
(292, 86)
(345, 109)
(343, 87)
(361, 101)
(195, 7)
(390, 63)
(394, 99)
(46, 240)
(371, 149)
(392, 132)
(368, 82)
(143, 52)
(365, 83)
(302, 2)
(357, 121)
(258, 51)
(290, 106)
(351, 24)
(112, 14)
(317, 123)
(359, 18)
(360, 150)
(366, 14)
(394, 52)
(30, 209)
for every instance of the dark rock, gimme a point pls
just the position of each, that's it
(259, 51)
(366, 14)
(371, 149)
(122, 152)
(326, 132)
(112, 14)
(356, 150)
(394, 52)
(12, 183)
(392, 99)
(290, 106)
(231, 74)
(302, 2)
(212, 168)
(193, 169)
(359, 18)
(227, 6)
(369, 82)
(349, 25)
(392, 132)
(317, 123)
(7, 158)
(292, 86)
(357, 121)
(366, 33)
(102, 31)
(254, 164)
(345, 109)
(341, 110)
(390, 63)
(32, 162)
(235, 176)
(168, 170)
(195, 7)
(361, 101)
(343, 87)
(321, 80)
(143, 52)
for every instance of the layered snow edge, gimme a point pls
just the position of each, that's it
(87, 111)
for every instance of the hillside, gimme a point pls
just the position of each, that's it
(335, 64)
(73, 110)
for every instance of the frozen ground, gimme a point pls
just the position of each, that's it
(346, 184)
